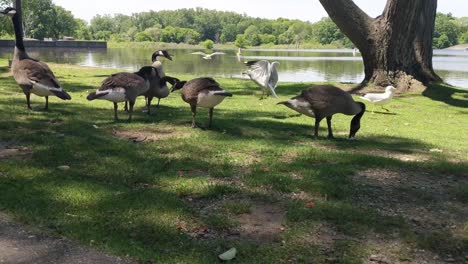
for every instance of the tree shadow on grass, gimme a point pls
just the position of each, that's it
(444, 93)
(100, 198)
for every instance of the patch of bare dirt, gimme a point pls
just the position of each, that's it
(13, 150)
(289, 157)
(427, 202)
(19, 244)
(396, 251)
(147, 135)
(263, 224)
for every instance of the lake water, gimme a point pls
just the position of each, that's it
(295, 65)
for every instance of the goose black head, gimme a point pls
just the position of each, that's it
(178, 85)
(163, 53)
(356, 122)
(9, 11)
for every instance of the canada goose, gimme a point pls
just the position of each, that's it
(208, 56)
(32, 75)
(380, 98)
(158, 87)
(124, 86)
(264, 74)
(203, 92)
(324, 101)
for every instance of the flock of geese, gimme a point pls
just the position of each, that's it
(318, 102)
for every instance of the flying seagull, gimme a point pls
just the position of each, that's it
(208, 56)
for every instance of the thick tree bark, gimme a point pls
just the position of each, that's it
(396, 46)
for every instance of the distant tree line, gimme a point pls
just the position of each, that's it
(44, 19)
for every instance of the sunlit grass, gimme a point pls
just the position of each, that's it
(132, 198)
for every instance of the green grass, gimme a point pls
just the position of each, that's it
(129, 199)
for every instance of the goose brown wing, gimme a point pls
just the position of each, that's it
(124, 80)
(29, 71)
(193, 87)
(321, 97)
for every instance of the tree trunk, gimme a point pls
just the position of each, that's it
(396, 47)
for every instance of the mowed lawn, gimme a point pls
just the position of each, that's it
(157, 190)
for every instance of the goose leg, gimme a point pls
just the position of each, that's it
(211, 117)
(385, 108)
(330, 133)
(317, 125)
(130, 111)
(116, 118)
(46, 103)
(28, 100)
(159, 99)
(126, 106)
(148, 104)
(194, 113)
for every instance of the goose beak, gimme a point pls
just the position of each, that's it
(168, 57)
(283, 103)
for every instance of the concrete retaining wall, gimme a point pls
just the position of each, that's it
(58, 43)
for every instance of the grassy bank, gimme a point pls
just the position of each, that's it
(157, 190)
(228, 46)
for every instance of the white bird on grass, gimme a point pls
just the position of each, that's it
(208, 56)
(380, 98)
(264, 74)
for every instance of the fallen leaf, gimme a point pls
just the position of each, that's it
(310, 204)
(435, 150)
(228, 255)
(63, 167)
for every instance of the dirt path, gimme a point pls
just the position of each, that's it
(19, 244)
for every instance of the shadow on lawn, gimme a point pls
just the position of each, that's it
(100, 199)
(444, 93)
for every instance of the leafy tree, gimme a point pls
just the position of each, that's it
(154, 32)
(102, 27)
(208, 44)
(82, 30)
(178, 35)
(252, 35)
(103, 35)
(326, 31)
(241, 41)
(463, 38)
(267, 38)
(64, 23)
(229, 33)
(446, 31)
(142, 36)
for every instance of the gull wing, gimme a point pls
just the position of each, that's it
(259, 71)
(217, 53)
(199, 53)
(374, 97)
(273, 74)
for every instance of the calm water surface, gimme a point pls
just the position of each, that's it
(295, 65)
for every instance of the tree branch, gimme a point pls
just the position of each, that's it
(351, 20)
